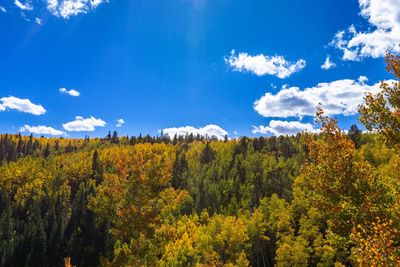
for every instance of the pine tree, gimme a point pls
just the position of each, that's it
(207, 155)
(97, 170)
(114, 138)
(46, 152)
(355, 135)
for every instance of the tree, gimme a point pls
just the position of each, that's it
(114, 138)
(376, 244)
(207, 241)
(180, 167)
(46, 152)
(38, 246)
(108, 137)
(334, 192)
(355, 135)
(135, 198)
(207, 155)
(381, 112)
(97, 169)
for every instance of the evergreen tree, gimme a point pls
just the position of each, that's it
(97, 170)
(46, 152)
(207, 155)
(355, 135)
(114, 138)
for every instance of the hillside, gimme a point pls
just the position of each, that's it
(259, 201)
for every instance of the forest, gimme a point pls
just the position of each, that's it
(326, 199)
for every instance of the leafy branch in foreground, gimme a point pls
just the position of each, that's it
(381, 112)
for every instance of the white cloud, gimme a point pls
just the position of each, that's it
(284, 128)
(44, 130)
(363, 79)
(71, 92)
(120, 122)
(3, 9)
(38, 21)
(95, 3)
(209, 130)
(383, 34)
(69, 8)
(81, 124)
(337, 97)
(24, 6)
(328, 64)
(262, 65)
(23, 105)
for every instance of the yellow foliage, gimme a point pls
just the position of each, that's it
(67, 262)
(219, 241)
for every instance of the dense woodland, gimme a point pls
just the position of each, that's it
(327, 199)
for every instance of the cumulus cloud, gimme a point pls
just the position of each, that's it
(284, 128)
(337, 97)
(23, 105)
(81, 124)
(262, 65)
(3, 9)
(209, 131)
(43, 130)
(68, 8)
(71, 92)
(120, 122)
(38, 21)
(328, 64)
(383, 34)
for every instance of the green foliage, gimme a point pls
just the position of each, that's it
(260, 202)
(381, 112)
(328, 199)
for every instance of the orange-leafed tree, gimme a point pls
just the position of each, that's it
(345, 189)
(376, 244)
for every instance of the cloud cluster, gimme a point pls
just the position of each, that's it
(81, 124)
(284, 128)
(42, 130)
(68, 8)
(262, 65)
(337, 97)
(71, 92)
(22, 105)
(209, 131)
(383, 34)
(60, 8)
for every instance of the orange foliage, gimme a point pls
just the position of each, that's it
(376, 244)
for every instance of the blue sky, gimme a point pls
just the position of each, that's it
(241, 67)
